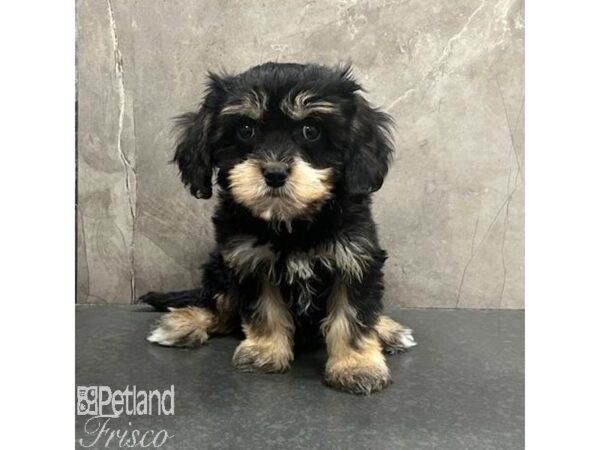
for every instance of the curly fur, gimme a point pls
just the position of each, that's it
(300, 261)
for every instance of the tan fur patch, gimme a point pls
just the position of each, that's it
(190, 326)
(269, 335)
(224, 308)
(356, 363)
(361, 371)
(184, 327)
(299, 267)
(337, 325)
(350, 256)
(386, 328)
(394, 336)
(245, 257)
(253, 105)
(306, 103)
(304, 192)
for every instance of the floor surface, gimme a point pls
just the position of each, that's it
(460, 388)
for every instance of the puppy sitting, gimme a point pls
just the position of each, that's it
(297, 153)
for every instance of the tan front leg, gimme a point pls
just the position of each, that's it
(269, 335)
(356, 363)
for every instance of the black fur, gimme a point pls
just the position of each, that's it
(355, 144)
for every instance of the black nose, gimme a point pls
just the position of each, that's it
(276, 174)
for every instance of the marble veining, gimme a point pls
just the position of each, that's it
(451, 212)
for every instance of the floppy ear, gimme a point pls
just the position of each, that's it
(193, 155)
(371, 149)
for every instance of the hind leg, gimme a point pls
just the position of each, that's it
(191, 326)
(393, 336)
(195, 314)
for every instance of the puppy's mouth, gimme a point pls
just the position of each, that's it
(274, 196)
(278, 192)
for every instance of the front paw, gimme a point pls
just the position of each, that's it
(256, 356)
(357, 374)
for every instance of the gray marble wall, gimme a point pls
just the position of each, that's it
(451, 213)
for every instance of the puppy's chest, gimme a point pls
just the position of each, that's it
(347, 258)
(248, 258)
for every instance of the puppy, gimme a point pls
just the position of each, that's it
(297, 153)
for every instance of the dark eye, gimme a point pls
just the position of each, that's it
(311, 132)
(245, 131)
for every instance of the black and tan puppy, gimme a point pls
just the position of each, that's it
(297, 153)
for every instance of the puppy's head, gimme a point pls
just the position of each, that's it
(284, 139)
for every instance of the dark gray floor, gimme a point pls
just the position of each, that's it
(460, 388)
